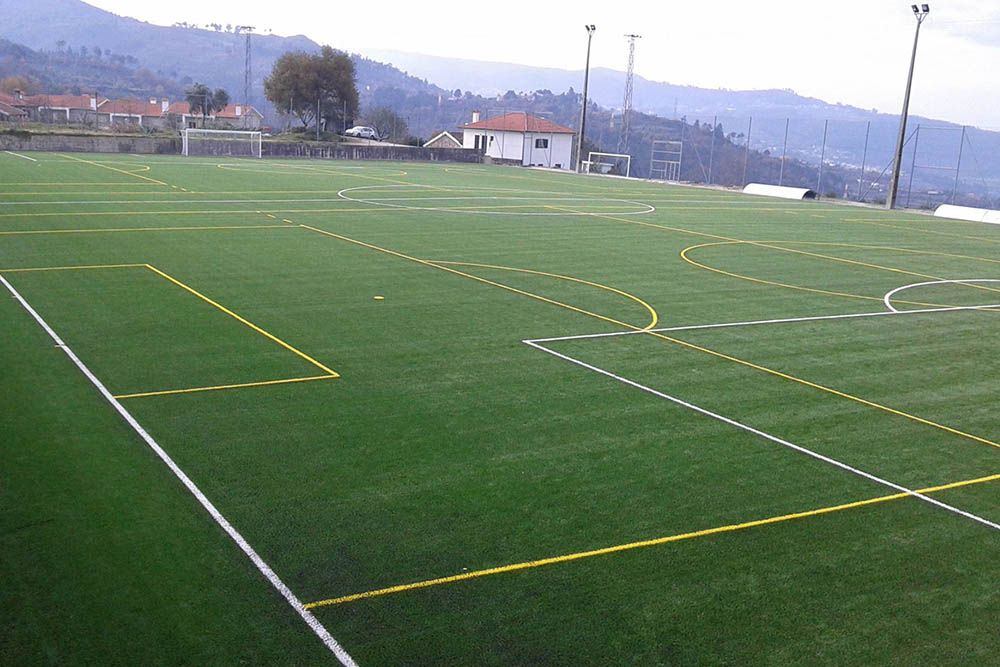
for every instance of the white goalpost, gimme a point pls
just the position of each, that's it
(617, 164)
(230, 143)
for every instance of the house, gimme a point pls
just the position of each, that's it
(443, 139)
(10, 113)
(521, 137)
(143, 113)
(57, 108)
(234, 116)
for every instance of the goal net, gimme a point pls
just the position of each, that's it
(614, 164)
(231, 143)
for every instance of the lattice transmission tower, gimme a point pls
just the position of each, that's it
(627, 103)
(247, 68)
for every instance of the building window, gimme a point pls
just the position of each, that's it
(541, 143)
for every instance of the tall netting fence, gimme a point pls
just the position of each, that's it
(838, 158)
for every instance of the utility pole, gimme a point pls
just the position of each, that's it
(920, 13)
(627, 103)
(586, 81)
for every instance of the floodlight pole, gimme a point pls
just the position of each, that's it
(583, 115)
(920, 13)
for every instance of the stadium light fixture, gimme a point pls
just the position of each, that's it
(590, 27)
(920, 13)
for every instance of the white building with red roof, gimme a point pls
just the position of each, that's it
(521, 137)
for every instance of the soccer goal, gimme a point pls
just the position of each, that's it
(615, 164)
(232, 143)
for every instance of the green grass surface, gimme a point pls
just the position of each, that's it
(449, 446)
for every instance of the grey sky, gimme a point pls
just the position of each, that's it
(850, 51)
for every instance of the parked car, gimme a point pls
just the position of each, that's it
(362, 132)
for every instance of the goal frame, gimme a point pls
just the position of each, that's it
(255, 137)
(624, 156)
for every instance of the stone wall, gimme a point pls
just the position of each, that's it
(68, 143)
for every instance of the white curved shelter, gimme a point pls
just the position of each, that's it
(968, 213)
(782, 191)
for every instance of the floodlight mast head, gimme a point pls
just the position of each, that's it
(920, 13)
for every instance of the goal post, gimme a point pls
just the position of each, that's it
(616, 164)
(230, 143)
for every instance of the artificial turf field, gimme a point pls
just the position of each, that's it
(468, 471)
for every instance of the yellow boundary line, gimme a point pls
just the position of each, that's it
(330, 373)
(471, 276)
(685, 255)
(580, 555)
(652, 311)
(244, 321)
(116, 169)
(109, 230)
(676, 341)
(242, 385)
(78, 214)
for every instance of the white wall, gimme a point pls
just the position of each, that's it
(521, 146)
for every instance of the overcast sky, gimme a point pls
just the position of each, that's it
(850, 51)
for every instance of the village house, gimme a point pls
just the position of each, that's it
(443, 139)
(520, 137)
(148, 114)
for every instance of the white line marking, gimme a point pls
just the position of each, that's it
(23, 157)
(642, 207)
(887, 299)
(724, 325)
(265, 569)
(766, 436)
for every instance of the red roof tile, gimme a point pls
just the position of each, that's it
(519, 121)
(57, 101)
(10, 110)
(131, 107)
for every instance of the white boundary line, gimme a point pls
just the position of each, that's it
(265, 569)
(23, 157)
(385, 201)
(887, 299)
(724, 325)
(767, 436)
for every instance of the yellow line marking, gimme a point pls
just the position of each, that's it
(40, 183)
(686, 257)
(471, 276)
(244, 321)
(78, 214)
(829, 390)
(169, 392)
(655, 317)
(81, 267)
(120, 171)
(921, 230)
(141, 229)
(730, 528)
(670, 339)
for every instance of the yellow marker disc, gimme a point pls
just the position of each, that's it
(379, 298)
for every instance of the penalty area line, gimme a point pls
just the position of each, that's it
(262, 566)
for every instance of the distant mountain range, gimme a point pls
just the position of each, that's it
(187, 54)
(419, 86)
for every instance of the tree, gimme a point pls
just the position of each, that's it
(202, 100)
(387, 123)
(24, 84)
(315, 88)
